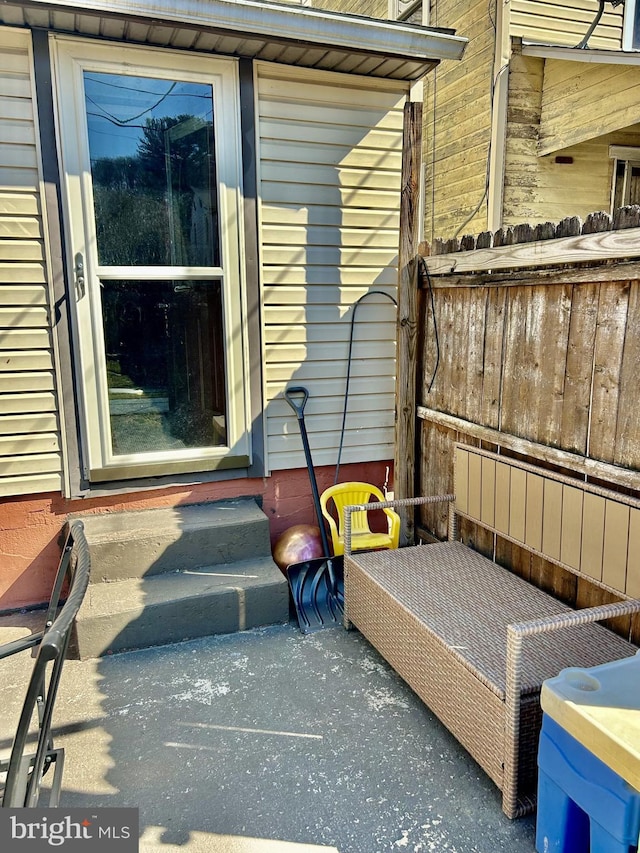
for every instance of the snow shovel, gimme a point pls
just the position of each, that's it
(317, 586)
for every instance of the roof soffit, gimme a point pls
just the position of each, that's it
(280, 32)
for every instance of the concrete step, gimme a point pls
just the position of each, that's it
(181, 605)
(147, 542)
(165, 575)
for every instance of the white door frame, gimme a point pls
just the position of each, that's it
(72, 57)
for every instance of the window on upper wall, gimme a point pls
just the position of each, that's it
(626, 176)
(413, 11)
(631, 27)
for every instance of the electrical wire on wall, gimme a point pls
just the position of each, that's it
(349, 359)
(485, 193)
(584, 43)
(492, 92)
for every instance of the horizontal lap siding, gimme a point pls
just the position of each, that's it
(30, 458)
(570, 108)
(537, 189)
(330, 162)
(371, 8)
(458, 131)
(583, 100)
(565, 23)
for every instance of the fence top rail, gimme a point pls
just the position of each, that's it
(599, 238)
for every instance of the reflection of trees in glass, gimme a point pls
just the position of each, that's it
(159, 206)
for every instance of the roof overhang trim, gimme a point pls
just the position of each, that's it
(573, 54)
(284, 23)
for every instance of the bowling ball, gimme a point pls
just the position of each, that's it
(297, 544)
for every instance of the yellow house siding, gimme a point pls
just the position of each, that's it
(370, 8)
(30, 459)
(457, 132)
(537, 189)
(565, 23)
(582, 100)
(329, 169)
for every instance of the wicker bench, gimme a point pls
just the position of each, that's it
(474, 640)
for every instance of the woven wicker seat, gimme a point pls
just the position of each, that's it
(439, 614)
(474, 640)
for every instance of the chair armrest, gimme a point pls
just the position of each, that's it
(519, 630)
(333, 527)
(397, 503)
(513, 684)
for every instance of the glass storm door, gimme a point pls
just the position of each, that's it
(150, 158)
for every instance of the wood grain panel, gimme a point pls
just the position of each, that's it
(488, 499)
(611, 328)
(503, 491)
(633, 571)
(552, 519)
(518, 504)
(492, 365)
(593, 520)
(627, 447)
(571, 543)
(462, 480)
(616, 545)
(578, 366)
(534, 511)
(474, 507)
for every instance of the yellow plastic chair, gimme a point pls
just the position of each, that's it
(348, 494)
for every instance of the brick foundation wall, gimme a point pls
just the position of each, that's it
(30, 526)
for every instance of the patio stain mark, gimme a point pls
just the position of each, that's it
(431, 839)
(382, 698)
(203, 691)
(372, 666)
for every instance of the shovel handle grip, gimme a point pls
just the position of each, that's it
(298, 407)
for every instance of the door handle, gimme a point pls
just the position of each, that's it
(78, 270)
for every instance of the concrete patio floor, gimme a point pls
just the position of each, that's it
(266, 741)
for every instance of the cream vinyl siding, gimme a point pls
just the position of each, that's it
(565, 23)
(30, 459)
(330, 162)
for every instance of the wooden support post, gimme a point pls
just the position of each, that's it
(406, 353)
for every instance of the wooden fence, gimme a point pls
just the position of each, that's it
(541, 362)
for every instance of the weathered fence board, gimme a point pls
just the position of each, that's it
(546, 370)
(574, 429)
(407, 331)
(600, 237)
(628, 434)
(496, 306)
(551, 364)
(611, 325)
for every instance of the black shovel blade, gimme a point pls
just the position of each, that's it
(317, 587)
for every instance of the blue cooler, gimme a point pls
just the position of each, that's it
(588, 756)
